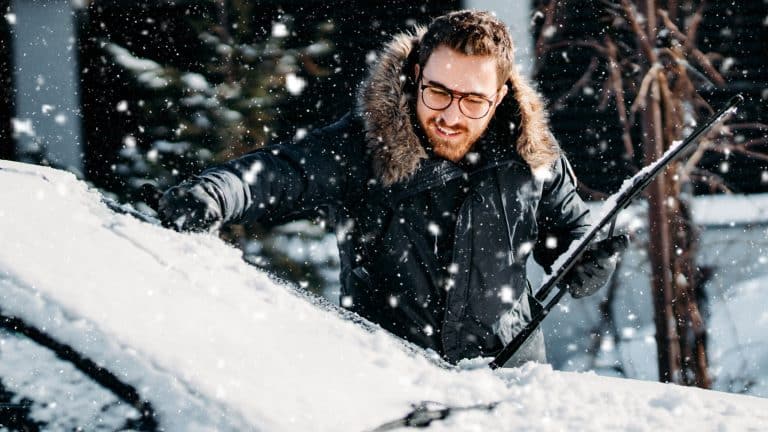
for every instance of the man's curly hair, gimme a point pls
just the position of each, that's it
(471, 32)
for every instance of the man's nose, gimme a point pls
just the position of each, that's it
(452, 115)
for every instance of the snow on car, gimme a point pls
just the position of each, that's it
(180, 327)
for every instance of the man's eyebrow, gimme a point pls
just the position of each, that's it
(439, 84)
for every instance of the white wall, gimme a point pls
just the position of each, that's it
(47, 81)
(517, 15)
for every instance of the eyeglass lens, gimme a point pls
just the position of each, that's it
(439, 99)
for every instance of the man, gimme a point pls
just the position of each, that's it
(441, 184)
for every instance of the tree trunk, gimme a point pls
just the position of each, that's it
(690, 324)
(680, 331)
(660, 247)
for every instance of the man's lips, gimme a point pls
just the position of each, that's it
(446, 131)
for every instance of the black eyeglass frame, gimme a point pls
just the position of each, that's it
(456, 95)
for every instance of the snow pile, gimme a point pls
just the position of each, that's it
(739, 328)
(212, 342)
(733, 250)
(730, 210)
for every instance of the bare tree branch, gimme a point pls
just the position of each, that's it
(578, 85)
(693, 51)
(590, 43)
(642, 37)
(645, 85)
(695, 21)
(756, 126)
(714, 181)
(749, 153)
(755, 142)
(690, 165)
(617, 87)
(549, 19)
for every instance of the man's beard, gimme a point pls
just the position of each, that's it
(452, 149)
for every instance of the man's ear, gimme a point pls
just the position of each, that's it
(416, 70)
(502, 92)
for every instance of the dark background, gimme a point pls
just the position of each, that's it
(359, 28)
(732, 29)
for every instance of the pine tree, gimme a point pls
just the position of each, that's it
(188, 120)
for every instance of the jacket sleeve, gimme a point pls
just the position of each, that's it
(282, 182)
(562, 216)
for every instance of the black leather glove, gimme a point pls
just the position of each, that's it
(595, 266)
(189, 207)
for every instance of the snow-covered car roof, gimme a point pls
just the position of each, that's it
(211, 342)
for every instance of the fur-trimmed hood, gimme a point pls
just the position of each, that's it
(385, 103)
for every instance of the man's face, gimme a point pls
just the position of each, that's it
(451, 132)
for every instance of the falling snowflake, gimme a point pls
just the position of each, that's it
(294, 84)
(434, 229)
(428, 330)
(279, 30)
(542, 173)
(524, 248)
(506, 294)
(727, 64)
(607, 345)
(129, 141)
(22, 127)
(152, 155)
(551, 242)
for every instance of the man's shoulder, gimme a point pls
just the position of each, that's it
(344, 138)
(348, 126)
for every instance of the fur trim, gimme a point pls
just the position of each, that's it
(386, 109)
(536, 144)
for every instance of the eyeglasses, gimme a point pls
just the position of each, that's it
(440, 98)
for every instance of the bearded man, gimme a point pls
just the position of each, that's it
(441, 182)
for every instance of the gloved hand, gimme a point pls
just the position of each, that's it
(595, 266)
(189, 207)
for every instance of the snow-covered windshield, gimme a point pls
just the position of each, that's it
(214, 342)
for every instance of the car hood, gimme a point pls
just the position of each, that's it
(213, 342)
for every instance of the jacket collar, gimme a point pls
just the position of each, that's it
(435, 172)
(385, 104)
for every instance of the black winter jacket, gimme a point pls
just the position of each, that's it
(370, 173)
